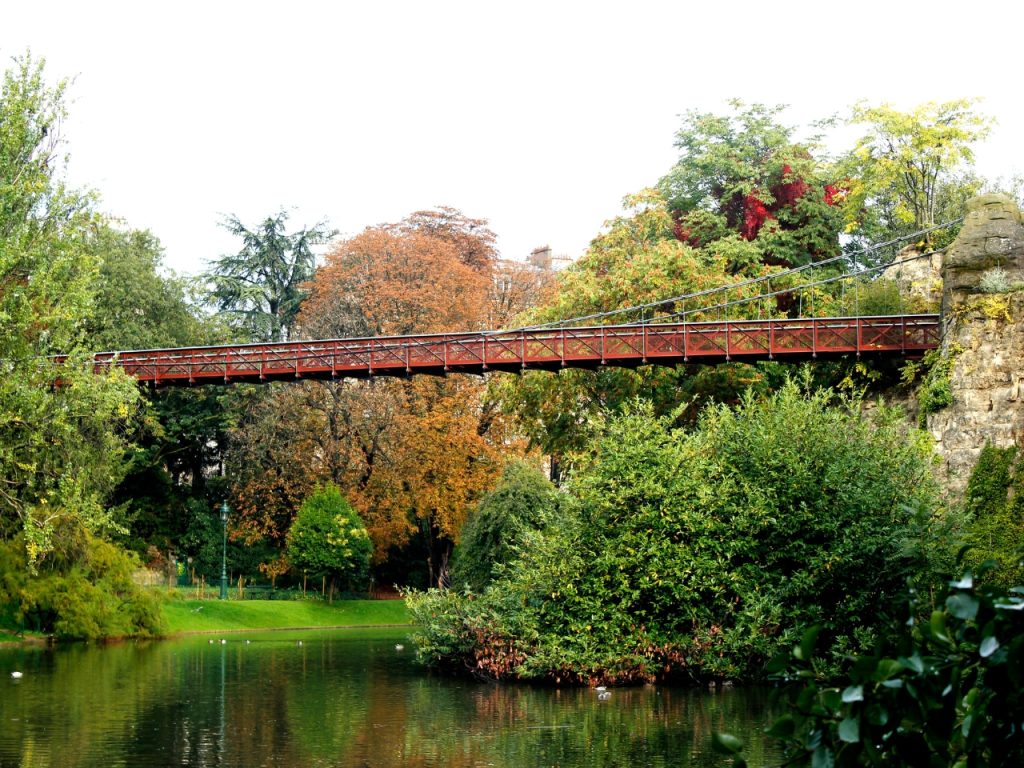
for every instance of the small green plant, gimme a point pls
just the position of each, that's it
(990, 480)
(993, 307)
(994, 280)
(88, 596)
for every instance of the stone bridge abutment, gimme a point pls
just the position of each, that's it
(982, 351)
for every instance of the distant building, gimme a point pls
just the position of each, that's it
(543, 258)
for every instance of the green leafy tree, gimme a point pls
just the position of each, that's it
(178, 434)
(138, 305)
(178, 441)
(911, 168)
(61, 447)
(328, 538)
(32, 112)
(523, 500)
(741, 177)
(262, 283)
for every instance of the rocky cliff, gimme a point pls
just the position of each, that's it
(983, 343)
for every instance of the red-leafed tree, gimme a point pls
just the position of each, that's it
(742, 176)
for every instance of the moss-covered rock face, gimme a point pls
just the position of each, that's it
(992, 236)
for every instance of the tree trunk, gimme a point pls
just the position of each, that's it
(439, 552)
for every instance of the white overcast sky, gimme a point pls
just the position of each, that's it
(539, 116)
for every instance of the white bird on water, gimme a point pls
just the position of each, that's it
(399, 647)
(16, 675)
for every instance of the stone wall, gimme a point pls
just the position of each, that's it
(987, 340)
(984, 335)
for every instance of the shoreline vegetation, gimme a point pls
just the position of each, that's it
(694, 554)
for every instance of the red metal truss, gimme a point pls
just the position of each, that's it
(550, 349)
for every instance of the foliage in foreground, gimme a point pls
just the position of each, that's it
(699, 554)
(86, 594)
(944, 691)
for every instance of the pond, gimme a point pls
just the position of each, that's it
(338, 698)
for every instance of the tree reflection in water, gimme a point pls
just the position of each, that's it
(339, 699)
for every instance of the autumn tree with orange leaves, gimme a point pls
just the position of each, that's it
(411, 456)
(388, 281)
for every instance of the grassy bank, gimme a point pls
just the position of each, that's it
(14, 636)
(234, 615)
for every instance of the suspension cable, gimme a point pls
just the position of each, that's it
(680, 315)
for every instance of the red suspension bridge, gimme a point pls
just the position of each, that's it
(573, 343)
(546, 348)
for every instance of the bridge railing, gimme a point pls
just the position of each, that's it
(541, 348)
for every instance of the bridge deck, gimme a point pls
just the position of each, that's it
(706, 343)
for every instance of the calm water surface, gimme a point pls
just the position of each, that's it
(340, 698)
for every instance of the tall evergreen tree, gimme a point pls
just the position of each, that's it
(262, 283)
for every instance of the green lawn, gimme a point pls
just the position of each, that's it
(228, 615)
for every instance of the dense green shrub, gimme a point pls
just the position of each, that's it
(90, 596)
(523, 500)
(994, 504)
(699, 554)
(946, 691)
(329, 539)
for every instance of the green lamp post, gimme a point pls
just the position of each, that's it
(224, 509)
